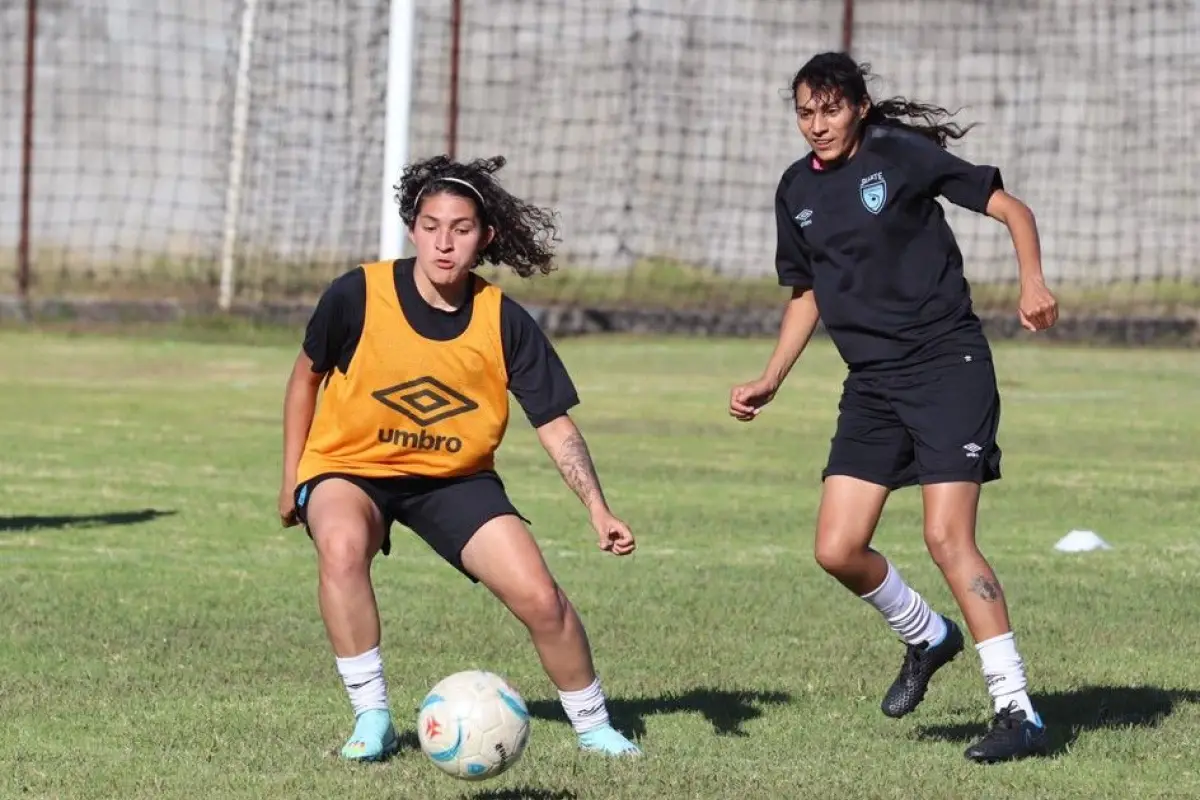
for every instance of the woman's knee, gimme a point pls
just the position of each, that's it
(948, 542)
(850, 510)
(542, 608)
(950, 511)
(838, 554)
(345, 526)
(343, 547)
(504, 557)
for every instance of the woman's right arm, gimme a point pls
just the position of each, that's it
(336, 320)
(299, 407)
(793, 266)
(795, 331)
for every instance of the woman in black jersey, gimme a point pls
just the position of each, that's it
(864, 246)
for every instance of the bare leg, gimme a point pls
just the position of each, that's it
(850, 510)
(347, 531)
(950, 518)
(505, 558)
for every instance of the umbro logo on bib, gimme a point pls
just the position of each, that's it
(425, 400)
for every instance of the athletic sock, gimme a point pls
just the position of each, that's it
(363, 678)
(906, 612)
(586, 708)
(1004, 672)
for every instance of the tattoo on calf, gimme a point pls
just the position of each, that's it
(575, 463)
(986, 588)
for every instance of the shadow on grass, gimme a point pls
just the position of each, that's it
(33, 522)
(1069, 713)
(726, 711)
(408, 741)
(521, 793)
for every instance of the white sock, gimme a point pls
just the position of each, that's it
(585, 707)
(363, 678)
(906, 611)
(1005, 674)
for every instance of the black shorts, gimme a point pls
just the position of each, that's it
(926, 425)
(444, 512)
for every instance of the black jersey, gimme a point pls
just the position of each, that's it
(869, 237)
(536, 375)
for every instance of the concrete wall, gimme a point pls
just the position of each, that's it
(656, 127)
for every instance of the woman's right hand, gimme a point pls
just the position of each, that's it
(287, 506)
(747, 400)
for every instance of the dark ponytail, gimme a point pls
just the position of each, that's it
(838, 75)
(932, 122)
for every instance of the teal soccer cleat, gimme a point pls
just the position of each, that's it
(374, 737)
(609, 741)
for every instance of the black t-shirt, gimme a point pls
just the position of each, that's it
(536, 375)
(869, 237)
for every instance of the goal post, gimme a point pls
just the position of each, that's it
(237, 155)
(401, 37)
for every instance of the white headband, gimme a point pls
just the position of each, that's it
(467, 184)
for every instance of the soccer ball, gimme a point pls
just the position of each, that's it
(473, 725)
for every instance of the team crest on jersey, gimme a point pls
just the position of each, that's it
(873, 191)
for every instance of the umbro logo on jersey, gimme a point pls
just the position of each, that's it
(805, 218)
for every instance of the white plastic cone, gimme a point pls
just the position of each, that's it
(1081, 542)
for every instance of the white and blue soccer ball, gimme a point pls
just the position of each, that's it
(473, 725)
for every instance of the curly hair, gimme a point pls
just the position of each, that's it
(838, 75)
(524, 234)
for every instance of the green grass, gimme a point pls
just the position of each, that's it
(160, 637)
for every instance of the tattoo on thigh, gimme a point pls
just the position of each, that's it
(986, 588)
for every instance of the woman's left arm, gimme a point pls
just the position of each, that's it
(1038, 309)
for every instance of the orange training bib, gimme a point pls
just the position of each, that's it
(408, 405)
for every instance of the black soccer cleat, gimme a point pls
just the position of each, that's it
(920, 662)
(1012, 736)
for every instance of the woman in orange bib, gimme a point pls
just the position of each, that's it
(417, 357)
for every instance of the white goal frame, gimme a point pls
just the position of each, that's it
(401, 39)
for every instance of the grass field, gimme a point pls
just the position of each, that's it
(160, 638)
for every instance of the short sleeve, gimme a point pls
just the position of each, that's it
(336, 323)
(537, 377)
(943, 173)
(792, 255)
